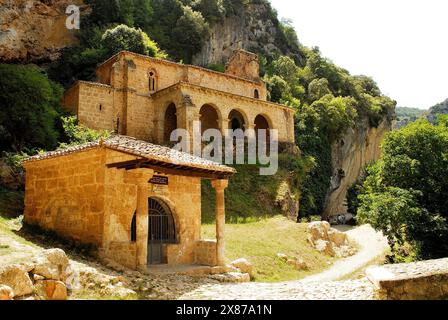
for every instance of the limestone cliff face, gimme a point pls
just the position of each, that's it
(254, 30)
(359, 147)
(34, 31)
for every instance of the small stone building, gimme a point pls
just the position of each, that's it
(139, 203)
(148, 98)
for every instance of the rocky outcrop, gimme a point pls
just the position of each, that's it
(33, 30)
(287, 201)
(359, 147)
(328, 240)
(255, 30)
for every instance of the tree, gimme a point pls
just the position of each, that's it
(189, 33)
(318, 88)
(123, 37)
(404, 194)
(213, 11)
(29, 108)
(76, 134)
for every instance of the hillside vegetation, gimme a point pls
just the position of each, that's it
(327, 98)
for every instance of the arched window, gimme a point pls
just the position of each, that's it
(170, 123)
(152, 81)
(134, 228)
(256, 94)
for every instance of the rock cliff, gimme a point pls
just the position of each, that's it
(359, 147)
(256, 29)
(33, 30)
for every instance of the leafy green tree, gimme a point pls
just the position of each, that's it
(318, 88)
(123, 37)
(404, 191)
(29, 108)
(189, 33)
(76, 134)
(336, 114)
(213, 11)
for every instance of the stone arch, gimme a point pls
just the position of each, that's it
(237, 120)
(172, 208)
(210, 117)
(256, 94)
(152, 80)
(169, 122)
(262, 122)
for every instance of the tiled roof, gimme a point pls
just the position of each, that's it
(142, 149)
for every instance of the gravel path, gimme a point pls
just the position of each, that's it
(372, 247)
(318, 287)
(323, 286)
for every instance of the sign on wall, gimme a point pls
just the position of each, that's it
(159, 180)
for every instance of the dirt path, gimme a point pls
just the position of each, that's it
(372, 248)
(14, 249)
(322, 286)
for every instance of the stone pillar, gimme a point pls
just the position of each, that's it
(224, 125)
(140, 177)
(220, 186)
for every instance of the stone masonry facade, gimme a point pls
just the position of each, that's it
(147, 98)
(93, 194)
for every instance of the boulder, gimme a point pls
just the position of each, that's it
(233, 277)
(325, 247)
(52, 265)
(51, 290)
(6, 293)
(244, 265)
(319, 230)
(16, 277)
(337, 237)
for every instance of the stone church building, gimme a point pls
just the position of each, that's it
(137, 201)
(148, 98)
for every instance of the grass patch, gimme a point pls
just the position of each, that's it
(260, 241)
(250, 196)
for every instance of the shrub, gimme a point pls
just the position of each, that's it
(29, 108)
(404, 195)
(123, 37)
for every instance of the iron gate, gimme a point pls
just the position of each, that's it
(161, 231)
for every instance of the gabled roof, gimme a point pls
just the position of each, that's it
(150, 156)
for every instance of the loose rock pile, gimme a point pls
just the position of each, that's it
(329, 241)
(47, 278)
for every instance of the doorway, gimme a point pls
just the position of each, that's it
(161, 231)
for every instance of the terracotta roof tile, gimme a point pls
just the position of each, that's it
(142, 149)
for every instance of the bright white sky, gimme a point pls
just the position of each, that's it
(402, 44)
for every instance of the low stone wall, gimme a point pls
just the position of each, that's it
(205, 252)
(425, 280)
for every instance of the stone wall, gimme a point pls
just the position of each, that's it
(78, 197)
(182, 195)
(424, 280)
(132, 70)
(205, 253)
(66, 195)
